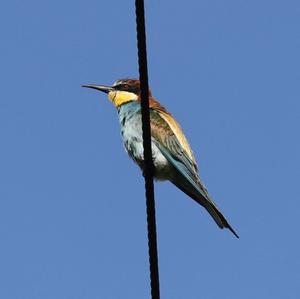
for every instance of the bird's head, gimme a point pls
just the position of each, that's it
(121, 92)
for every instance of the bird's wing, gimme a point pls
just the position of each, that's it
(171, 141)
(175, 128)
(176, 150)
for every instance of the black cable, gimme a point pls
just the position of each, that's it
(148, 163)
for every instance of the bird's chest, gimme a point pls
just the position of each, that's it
(131, 131)
(132, 134)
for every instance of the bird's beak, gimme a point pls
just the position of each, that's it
(102, 88)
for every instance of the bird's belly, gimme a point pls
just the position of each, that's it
(163, 169)
(135, 149)
(133, 142)
(131, 130)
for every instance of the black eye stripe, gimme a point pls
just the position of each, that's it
(124, 86)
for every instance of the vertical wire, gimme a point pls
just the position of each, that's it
(148, 162)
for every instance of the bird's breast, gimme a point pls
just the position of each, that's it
(131, 130)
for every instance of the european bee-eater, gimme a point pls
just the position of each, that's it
(173, 158)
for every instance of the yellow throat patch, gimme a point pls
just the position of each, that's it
(119, 98)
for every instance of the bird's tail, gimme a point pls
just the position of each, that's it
(218, 217)
(201, 196)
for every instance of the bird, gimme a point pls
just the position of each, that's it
(173, 158)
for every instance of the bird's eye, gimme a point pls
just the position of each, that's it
(125, 86)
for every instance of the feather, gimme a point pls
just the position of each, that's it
(185, 175)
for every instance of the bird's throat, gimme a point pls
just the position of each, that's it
(119, 98)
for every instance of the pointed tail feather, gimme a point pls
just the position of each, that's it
(208, 204)
(213, 211)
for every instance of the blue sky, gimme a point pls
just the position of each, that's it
(72, 207)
